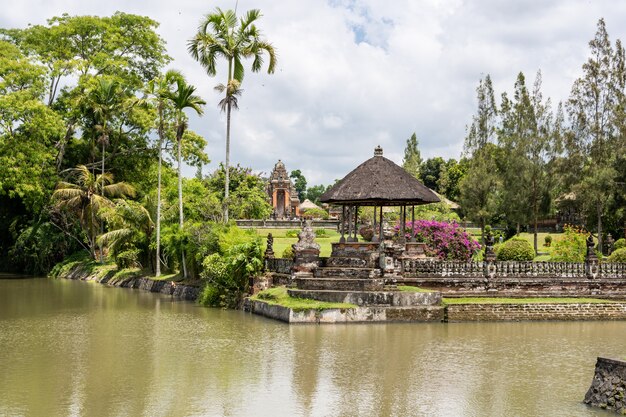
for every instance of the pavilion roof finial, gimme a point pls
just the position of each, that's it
(378, 151)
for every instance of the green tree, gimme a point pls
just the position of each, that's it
(299, 183)
(412, 158)
(313, 193)
(431, 171)
(159, 88)
(591, 107)
(248, 192)
(86, 197)
(222, 36)
(130, 233)
(182, 98)
(479, 187)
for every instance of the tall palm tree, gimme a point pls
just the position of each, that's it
(220, 35)
(159, 88)
(87, 196)
(182, 99)
(104, 98)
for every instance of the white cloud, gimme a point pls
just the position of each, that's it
(353, 74)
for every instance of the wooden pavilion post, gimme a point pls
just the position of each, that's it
(403, 225)
(413, 223)
(374, 237)
(356, 216)
(380, 225)
(342, 239)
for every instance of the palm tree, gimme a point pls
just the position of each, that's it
(132, 227)
(159, 88)
(181, 99)
(221, 36)
(87, 196)
(103, 100)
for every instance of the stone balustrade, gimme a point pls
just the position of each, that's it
(416, 268)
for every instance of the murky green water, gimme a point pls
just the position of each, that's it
(79, 349)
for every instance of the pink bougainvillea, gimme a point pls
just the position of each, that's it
(443, 240)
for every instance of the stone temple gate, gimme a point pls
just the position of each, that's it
(282, 194)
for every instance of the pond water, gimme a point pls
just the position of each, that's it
(83, 349)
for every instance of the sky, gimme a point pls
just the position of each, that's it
(353, 74)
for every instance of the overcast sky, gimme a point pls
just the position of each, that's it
(353, 74)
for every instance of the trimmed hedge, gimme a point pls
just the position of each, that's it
(618, 256)
(619, 244)
(515, 249)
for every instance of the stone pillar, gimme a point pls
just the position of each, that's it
(413, 224)
(489, 259)
(374, 228)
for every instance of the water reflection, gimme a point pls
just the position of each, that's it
(73, 348)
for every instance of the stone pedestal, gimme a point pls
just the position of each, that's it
(306, 251)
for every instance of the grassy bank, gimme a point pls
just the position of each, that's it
(279, 296)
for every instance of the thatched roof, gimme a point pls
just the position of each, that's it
(379, 181)
(308, 204)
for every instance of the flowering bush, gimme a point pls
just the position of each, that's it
(443, 240)
(571, 247)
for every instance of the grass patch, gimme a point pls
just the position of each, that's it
(547, 300)
(279, 296)
(282, 242)
(408, 288)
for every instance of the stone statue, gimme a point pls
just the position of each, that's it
(306, 251)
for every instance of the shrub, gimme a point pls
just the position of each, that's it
(515, 249)
(367, 233)
(571, 247)
(320, 233)
(228, 275)
(619, 244)
(128, 259)
(292, 233)
(288, 252)
(443, 240)
(618, 256)
(547, 241)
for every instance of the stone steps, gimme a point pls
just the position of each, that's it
(371, 298)
(347, 262)
(337, 283)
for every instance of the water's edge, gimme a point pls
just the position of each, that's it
(182, 291)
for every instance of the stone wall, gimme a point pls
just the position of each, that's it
(185, 292)
(535, 312)
(608, 386)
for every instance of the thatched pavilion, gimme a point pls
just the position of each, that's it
(377, 182)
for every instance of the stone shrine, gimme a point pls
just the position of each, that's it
(282, 194)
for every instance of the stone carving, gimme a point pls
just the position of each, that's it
(306, 250)
(269, 251)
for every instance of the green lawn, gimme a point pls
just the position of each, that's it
(279, 296)
(282, 242)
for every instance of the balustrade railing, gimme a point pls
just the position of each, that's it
(415, 268)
